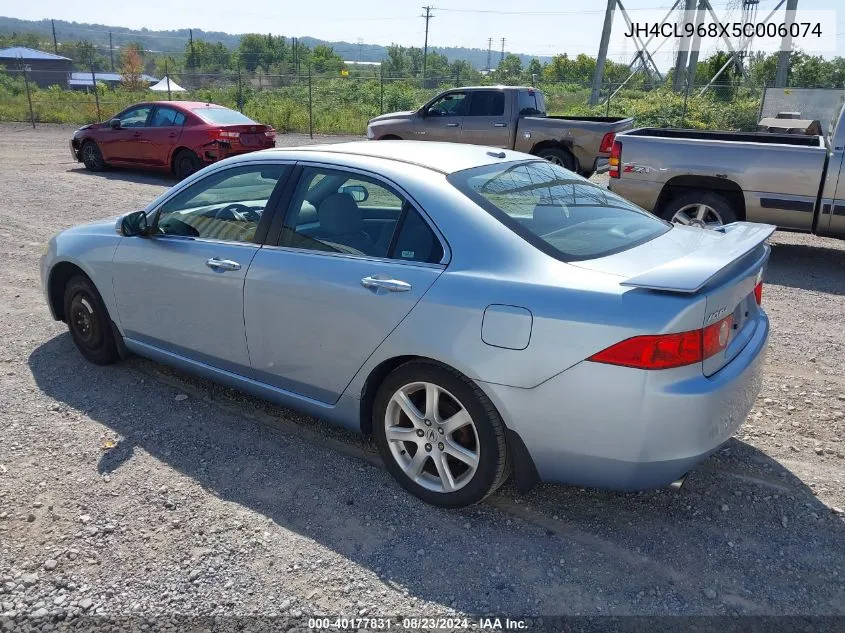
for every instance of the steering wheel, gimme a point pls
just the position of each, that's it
(238, 212)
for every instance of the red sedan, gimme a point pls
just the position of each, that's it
(180, 136)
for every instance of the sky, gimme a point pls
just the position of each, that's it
(541, 27)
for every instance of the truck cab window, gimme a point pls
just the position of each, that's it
(487, 103)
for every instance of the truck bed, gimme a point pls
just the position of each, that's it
(739, 137)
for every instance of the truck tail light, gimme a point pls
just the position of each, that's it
(666, 351)
(607, 142)
(615, 160)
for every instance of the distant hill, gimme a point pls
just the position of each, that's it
(175, 41)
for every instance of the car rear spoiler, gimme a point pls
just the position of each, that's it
(692, 272)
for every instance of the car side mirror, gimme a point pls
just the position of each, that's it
(133, 224)
(114, 124)
(359, 193)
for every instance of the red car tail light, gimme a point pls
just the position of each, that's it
(666, 351)
(615, 161)
(758, 292)
(607, 142)
(226, 135)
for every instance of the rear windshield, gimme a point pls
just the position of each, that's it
(224, 116)
(558, 212)
(531, 103)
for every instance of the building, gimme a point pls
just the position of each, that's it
(83, 80)
(44, 69)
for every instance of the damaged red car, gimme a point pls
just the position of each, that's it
(178, 136)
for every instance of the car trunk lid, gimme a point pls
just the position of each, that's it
(254, 136)
(725, 266)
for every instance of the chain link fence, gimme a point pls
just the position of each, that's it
(321, 104)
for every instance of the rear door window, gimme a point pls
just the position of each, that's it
(561, 214)
(487, 103)
(167, 117)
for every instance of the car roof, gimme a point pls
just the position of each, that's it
(445, 158)
(189, 105)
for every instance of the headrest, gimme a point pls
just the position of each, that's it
(339, 215)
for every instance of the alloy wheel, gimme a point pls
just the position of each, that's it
(701, 216)
(432, 437)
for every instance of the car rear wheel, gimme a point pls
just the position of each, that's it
(439, 435)
(558, 156)
(701, 209)
(92, 157)
(185, 163)
(89, 322)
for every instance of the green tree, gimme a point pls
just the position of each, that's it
(324, 59)
(509, 70)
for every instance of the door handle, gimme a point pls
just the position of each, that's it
(136, 134)
(452, 124)
(500, 125)
(391, 285)
(172, 135)
(222, 264)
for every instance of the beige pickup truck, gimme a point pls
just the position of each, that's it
(510, 117)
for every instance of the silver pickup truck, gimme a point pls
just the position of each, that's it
(712, 178)
(511, 117)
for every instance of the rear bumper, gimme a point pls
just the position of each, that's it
(218, 151)
(626, 429)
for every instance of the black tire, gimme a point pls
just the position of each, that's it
(719, 204)
(185, 163)
(92, 157)
(558, 156)
(89, 322)
(390, 137)
(492, 469)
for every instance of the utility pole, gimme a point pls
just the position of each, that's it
(427, 17)
(111, 52)
(55, 41)
(598, 77)
(193, 54)
(502, 56)
(489, 52)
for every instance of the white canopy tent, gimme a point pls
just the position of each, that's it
(162, 86)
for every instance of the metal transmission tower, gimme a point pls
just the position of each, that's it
(427, 17)
(489, 53)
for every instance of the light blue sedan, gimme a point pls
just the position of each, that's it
(481, 312)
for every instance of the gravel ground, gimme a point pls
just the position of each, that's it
(134, 489)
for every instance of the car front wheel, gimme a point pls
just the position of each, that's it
(89, 322)
(439, 435)
(92, 157)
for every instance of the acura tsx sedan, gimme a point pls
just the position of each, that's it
(481, 312)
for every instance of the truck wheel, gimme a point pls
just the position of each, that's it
(702, 209)
(390, 137)
(558, 156)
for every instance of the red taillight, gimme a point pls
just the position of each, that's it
(607, 142)
(615, 160)
(666, 351)
(226, 135)
(758, 292)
